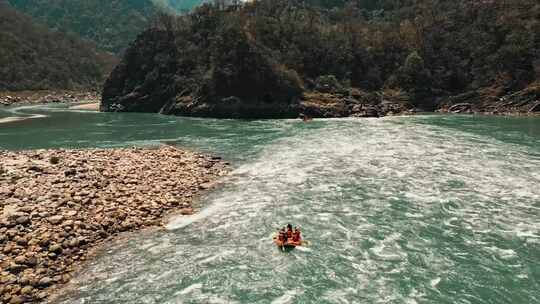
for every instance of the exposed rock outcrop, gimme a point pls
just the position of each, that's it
(495, 101)
(144, 79)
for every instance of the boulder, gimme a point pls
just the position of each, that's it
(23, 220)
(20, 260)
(35, 168)
(460, 108)
(27, 290)
(186, 211)
(15, 268)
(45, 282)
(70, 172)
(55, 248)
(17, 300)
(55, 220)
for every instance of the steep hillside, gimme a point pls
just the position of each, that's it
(280, 58)
(33, 57)
(112, 24)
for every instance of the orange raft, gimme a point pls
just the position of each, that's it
(289, 245)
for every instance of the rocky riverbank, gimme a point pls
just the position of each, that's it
(495, 101)
(46, 97)
(55, 205)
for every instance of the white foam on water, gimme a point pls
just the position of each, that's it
(287, 298)
(384, 202)
(435, 282)
(157, 248)
(304, 249)
(504, 254)
(190, 289)
(20, 115)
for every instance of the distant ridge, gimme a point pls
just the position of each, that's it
(34, 57)
(111, 24)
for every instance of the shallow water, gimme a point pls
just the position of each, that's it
(424, 209)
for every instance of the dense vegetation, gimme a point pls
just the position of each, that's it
(111, 24)
(423, 51)
(33, 57)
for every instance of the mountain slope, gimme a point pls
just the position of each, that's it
(33, 57)
(111, 24)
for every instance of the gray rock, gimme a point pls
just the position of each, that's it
(70, 172)
(45, 282)
(23, 220)
(55, 220)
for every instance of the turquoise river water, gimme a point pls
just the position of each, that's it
(421, 209)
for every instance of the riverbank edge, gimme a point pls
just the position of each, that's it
(42, 97)
(349, 102)
(355, 103)
(211, 168)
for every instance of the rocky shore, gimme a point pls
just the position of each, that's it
(56, 205)
(495, 101)
(354, 103)
(45, 97)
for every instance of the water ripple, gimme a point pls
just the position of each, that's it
(397, 211)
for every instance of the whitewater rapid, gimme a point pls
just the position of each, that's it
(398, 210)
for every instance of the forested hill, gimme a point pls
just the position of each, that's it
(34, 57)
(275, 58)
(111, 24)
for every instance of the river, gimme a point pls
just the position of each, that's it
(420, 209)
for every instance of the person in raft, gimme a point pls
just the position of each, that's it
(282, 236)
(297, 236)
(289, 232)
(288, 236)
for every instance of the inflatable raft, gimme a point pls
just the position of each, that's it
(287, 246)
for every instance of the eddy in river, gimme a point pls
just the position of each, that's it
(287, 237)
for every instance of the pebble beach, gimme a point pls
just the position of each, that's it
(58, 205)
